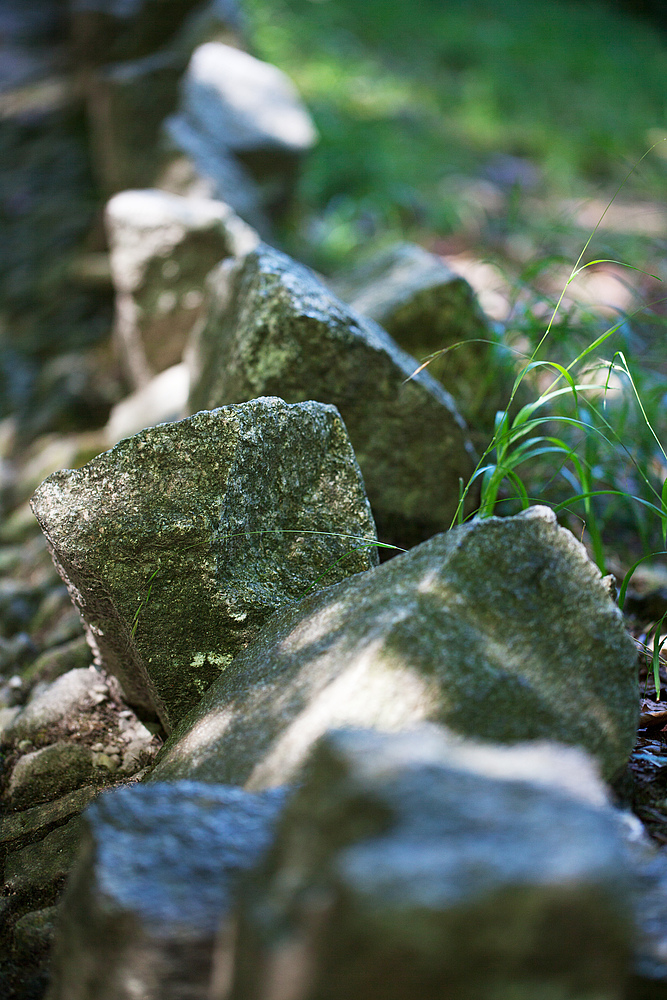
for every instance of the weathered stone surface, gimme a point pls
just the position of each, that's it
(407, 866)
(27, 825)
(427, 307)
(272, 327)
(38, 871)
(162, 248)
(58, 703)
(235, 104)
(163, 400)
(49, 773)
(179, 542)
(155, 878)
(33, 933)
(7, 716)
(501, 629)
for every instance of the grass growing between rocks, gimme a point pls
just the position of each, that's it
(594, 424)
(426, 134)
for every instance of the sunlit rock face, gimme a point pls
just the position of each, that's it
(162, 248)
(153, 888)
(272, 327)
(411, 866)
(501, 629)
(179, 542)
(243, 125)
(242, 103)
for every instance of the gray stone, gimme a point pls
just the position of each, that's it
(163, 400)
(33, 934)
(649, 866)
(271, 326)
(58, 704)
(53, 663)
(193, 168)
(49, 773)
(179, 542)
(501, 629)
(162, 248)
(244, 112)
(29, 824)
(38, 871)
(407, 866)
(155, 878)
(18, 603)
(427, 307)
(7, 716)
(243, 104)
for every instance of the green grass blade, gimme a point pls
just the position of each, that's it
(628, 576)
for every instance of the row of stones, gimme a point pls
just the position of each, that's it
(404, 865)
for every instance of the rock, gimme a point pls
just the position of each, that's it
(30, 824)
(649, 865)
(162, 400)
(49, 773)
(271, 326)
(37, 872)
(51, 452)
(179, 542)
(427, 307)
(408, 866)
(7, 716)
(71, 393)
(238, 105)
(53, 663)
(15, 652)
(162, 248)
(137, 747)
(155, 878)
(69, 626)
(33, 934)
(243, 104)
(59, 704)
(194, 169)
(501, 629)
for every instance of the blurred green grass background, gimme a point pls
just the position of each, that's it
(411, 95)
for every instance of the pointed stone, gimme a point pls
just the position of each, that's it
(272, 327)
(178, 543)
